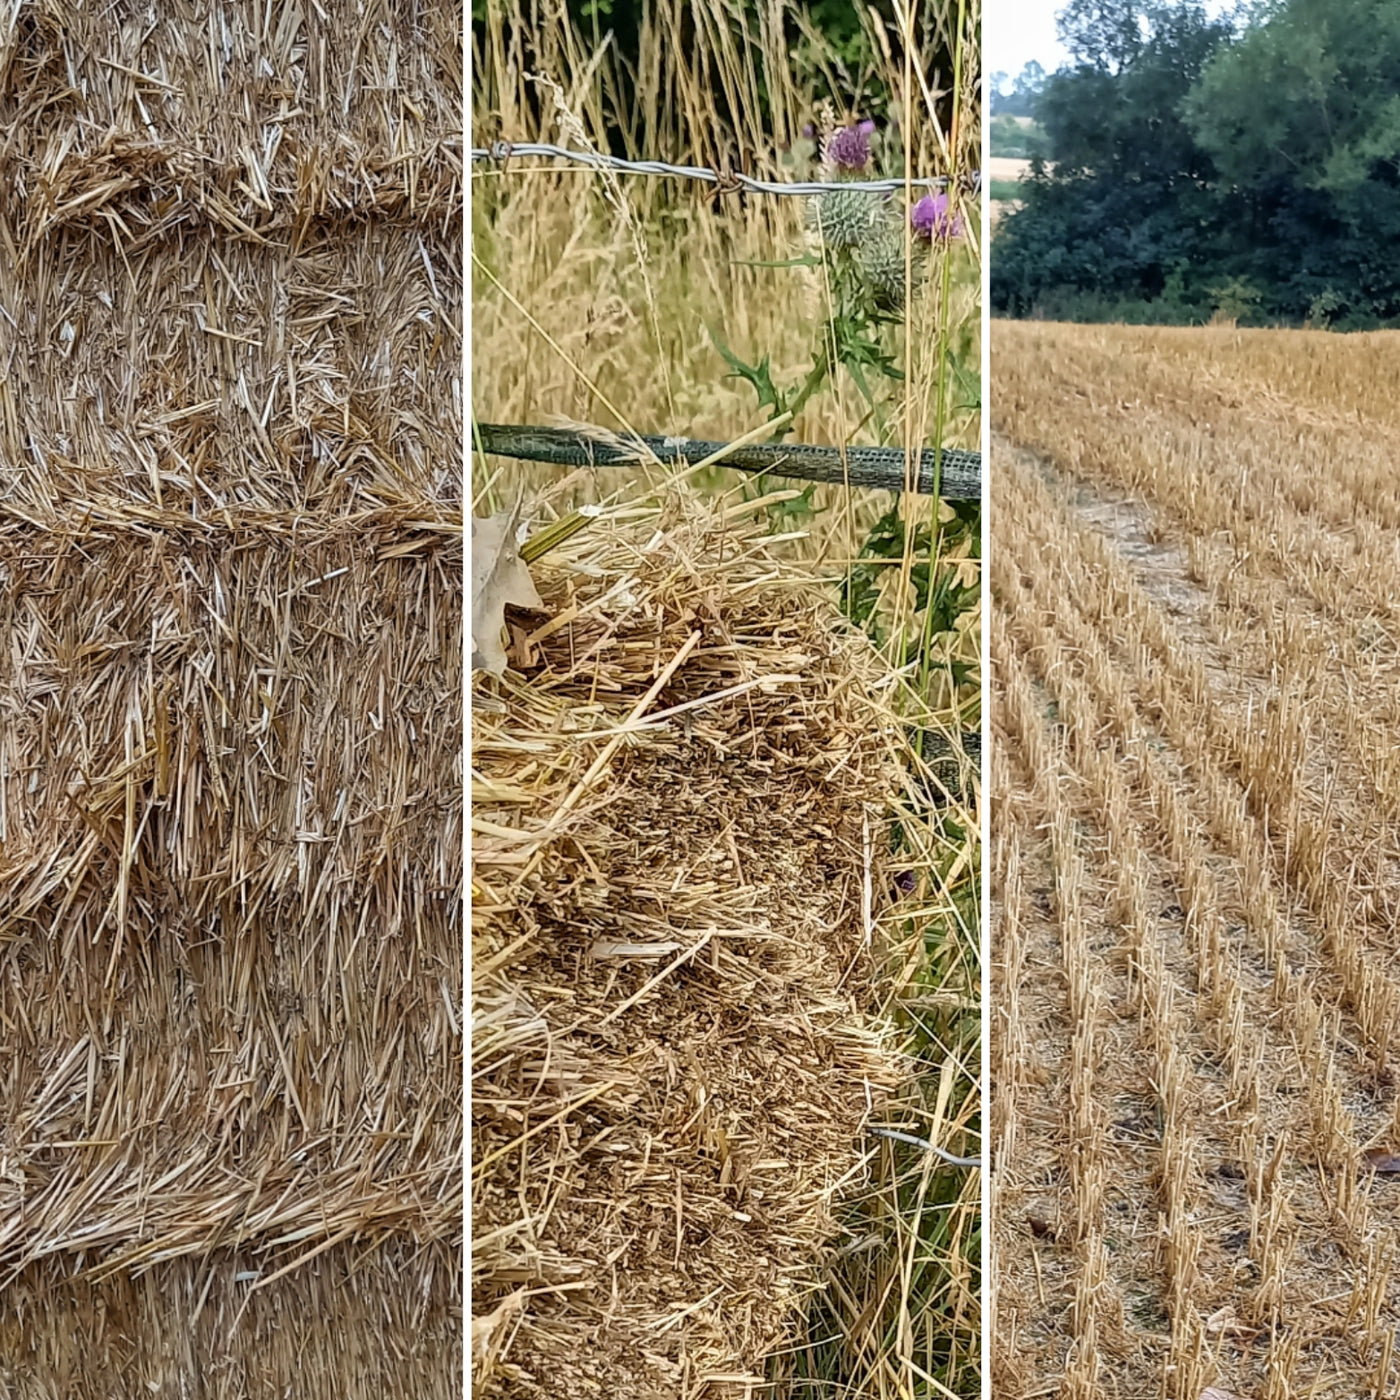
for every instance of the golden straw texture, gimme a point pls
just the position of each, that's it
(675, 824)
(230, 700)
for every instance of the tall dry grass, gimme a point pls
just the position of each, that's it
(592, 293)
(593, 301)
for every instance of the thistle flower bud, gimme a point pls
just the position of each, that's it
(849, 149)
(843, 218)
(932, 218)
(880, 261)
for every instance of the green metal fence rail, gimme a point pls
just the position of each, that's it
(951, 473)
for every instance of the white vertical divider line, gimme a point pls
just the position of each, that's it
(985, 816)
(465, 768)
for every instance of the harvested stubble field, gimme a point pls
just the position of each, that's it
(1196, 648)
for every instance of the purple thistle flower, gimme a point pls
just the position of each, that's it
(931, 218)
(849, 148)
(809, 131)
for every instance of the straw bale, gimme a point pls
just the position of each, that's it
(230, 255)
(333, 1330)
(230, 694)
(248, 118)
(674, 1038)
(230, 833)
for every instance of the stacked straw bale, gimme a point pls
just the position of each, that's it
(674, 1042)
(230, 699)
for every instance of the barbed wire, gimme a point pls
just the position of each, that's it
(502, 151)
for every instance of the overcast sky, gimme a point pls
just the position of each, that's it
(1016, 31)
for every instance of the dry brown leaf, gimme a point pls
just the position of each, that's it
(1225, 1322)
(499, 577)
(486, 1326)
(1212, 1392)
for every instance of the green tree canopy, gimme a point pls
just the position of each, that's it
(1196, 168)
(1018, 98)
(1309, 98)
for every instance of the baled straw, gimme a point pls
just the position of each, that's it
(331, 1330)
(230, 690)
(674, 1040)
(227, 855)
(231, 261)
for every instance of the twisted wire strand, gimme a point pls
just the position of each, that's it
(953, 473)
(502, 151)
(928, 1146)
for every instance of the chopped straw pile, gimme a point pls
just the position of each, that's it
(230, 701)
(675, 808)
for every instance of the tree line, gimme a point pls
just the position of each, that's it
(1197, 165)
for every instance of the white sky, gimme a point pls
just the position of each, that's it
(1016, 31)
